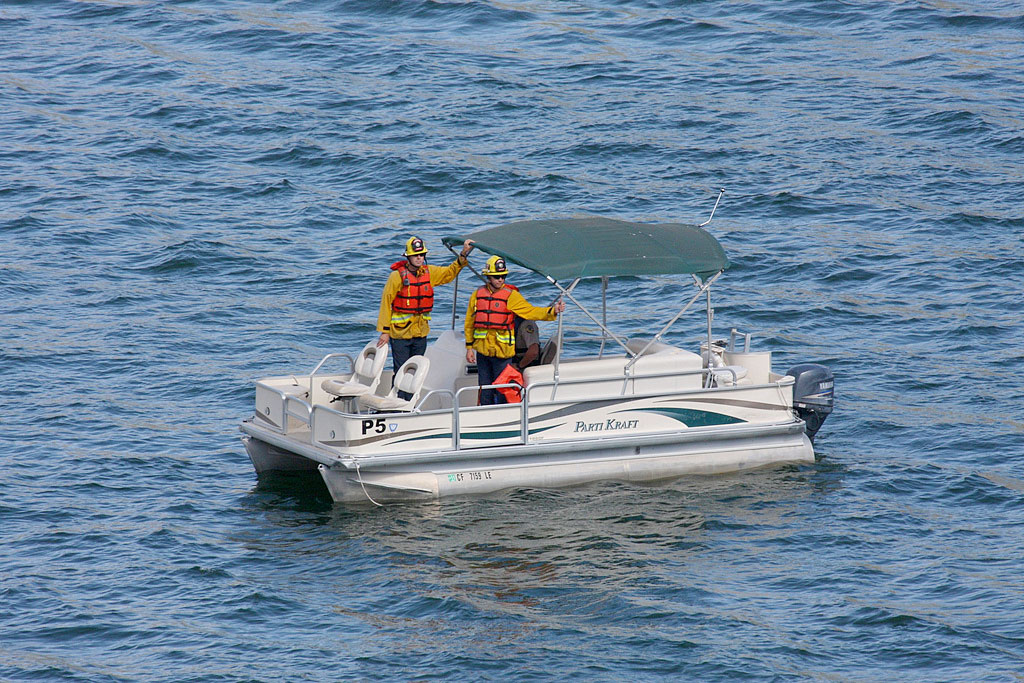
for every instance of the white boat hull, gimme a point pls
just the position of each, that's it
(614, 463)
(474, 472)
(591, 423)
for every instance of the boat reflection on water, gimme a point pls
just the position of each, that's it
(489, 572)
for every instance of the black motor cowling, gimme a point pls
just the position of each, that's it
(813, 394)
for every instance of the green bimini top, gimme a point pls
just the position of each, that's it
(569, 248)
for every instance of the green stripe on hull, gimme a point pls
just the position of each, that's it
(691, 417)
(507, 434)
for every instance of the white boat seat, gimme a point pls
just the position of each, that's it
(723, 377)
(366, 371)
(409, 378)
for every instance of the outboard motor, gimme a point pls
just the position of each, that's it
(813, 395)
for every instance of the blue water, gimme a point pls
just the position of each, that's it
(194, 195)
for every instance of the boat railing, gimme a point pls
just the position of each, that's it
(525, 392)
(625, 380)
(329, 356)
(732, 340)
(524, 406)
(323, 361)
(307, 409)
(283, 407)
(456, 409)
(434, 392)
(628, 377)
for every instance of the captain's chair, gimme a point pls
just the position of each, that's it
(409, 378)
(548, 353)
(365, 375)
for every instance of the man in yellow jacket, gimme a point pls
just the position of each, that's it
(408, 299)
(490, 325)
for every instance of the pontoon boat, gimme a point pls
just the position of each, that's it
(637, 410)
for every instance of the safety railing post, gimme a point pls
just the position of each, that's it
(524, 405)
(456, 427)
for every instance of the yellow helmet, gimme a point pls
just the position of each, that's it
(495, 266)
(415, 247)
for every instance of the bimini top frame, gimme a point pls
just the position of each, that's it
(570, 249)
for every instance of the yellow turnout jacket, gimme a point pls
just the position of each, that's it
(406, 326)
(490, 344)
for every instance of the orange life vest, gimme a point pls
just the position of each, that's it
(492, 314)
(511, 376)
(415, 297)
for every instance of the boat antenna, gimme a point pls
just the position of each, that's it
(720, 193)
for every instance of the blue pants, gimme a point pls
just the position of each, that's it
(488, 368)
(401, 351)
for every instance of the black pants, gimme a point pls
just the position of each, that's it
(488, 368)
(401, 351)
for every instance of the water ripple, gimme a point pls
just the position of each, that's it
(196, 196)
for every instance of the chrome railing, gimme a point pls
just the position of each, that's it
(287, 400)
(524, 405)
